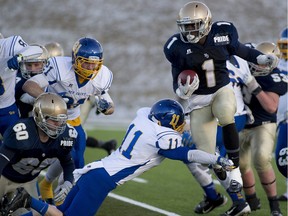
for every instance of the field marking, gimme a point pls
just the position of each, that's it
(143, 205)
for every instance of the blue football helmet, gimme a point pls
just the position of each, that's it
(168, 113)
(87, 57)
(283, 43)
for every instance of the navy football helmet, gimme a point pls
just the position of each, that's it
(87, 57)
(168, 113)
(283, 43)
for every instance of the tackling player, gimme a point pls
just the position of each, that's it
(154, 134)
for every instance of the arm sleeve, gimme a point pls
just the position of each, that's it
(180, 153)
(249, 54)
(5, 157)
(68, 167)
(202, 157)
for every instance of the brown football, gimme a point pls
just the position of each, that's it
(184, 74)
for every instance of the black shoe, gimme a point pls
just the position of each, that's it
(20, 199)
(208, 205)
(109, 146)
(276, 213)
(237, 209)
(254, 203)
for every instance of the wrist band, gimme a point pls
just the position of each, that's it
(257, 91)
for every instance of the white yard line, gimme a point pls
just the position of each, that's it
(143, 205)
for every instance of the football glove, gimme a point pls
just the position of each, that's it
(252, 85)
(185, 91)
(187, 139)
(102, 105)
(270, 60)
(68, 100)
(225, 163)
(13, 63)
(61, 191)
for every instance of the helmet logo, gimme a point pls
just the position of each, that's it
(174, 121)
(76, 47)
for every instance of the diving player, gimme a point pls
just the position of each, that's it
(154, 134)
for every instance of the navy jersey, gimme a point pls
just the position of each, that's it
(23, 155)
(209, 59)
(24, 108)
(274, 82)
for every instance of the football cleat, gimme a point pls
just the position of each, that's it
(276, 213)
(254, 203)
(20, 199)
(207, 205)
(238, 209)
(110, 146)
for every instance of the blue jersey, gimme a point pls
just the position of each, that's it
(208, 60)
(274, 82)
(23, 155)
(24, 108)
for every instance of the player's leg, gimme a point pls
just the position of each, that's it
(262, 145)
(203, 130)
(45, 185)
(8, 116)
(212, 198)
(224, 108)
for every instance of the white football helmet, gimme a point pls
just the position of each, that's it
(34, 64)
(50, 114)
(54, 49)
(194, 21)
(265, 48)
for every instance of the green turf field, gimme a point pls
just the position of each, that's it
(170, 187)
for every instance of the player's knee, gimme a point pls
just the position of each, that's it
(262, 162)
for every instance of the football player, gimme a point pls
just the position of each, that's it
(9, 47)
(31, 144)
(281, 151)
(154, 134)
(9, 106)
(261, 93)
(237, 68)
(28, 68)
(75, 79)
(54, 49)
(204, 47)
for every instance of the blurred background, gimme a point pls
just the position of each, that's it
(132, 33)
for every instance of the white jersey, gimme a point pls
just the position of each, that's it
(282, 111)
(8, 48)
(139, 149)
(59, 77)
(237, 67)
